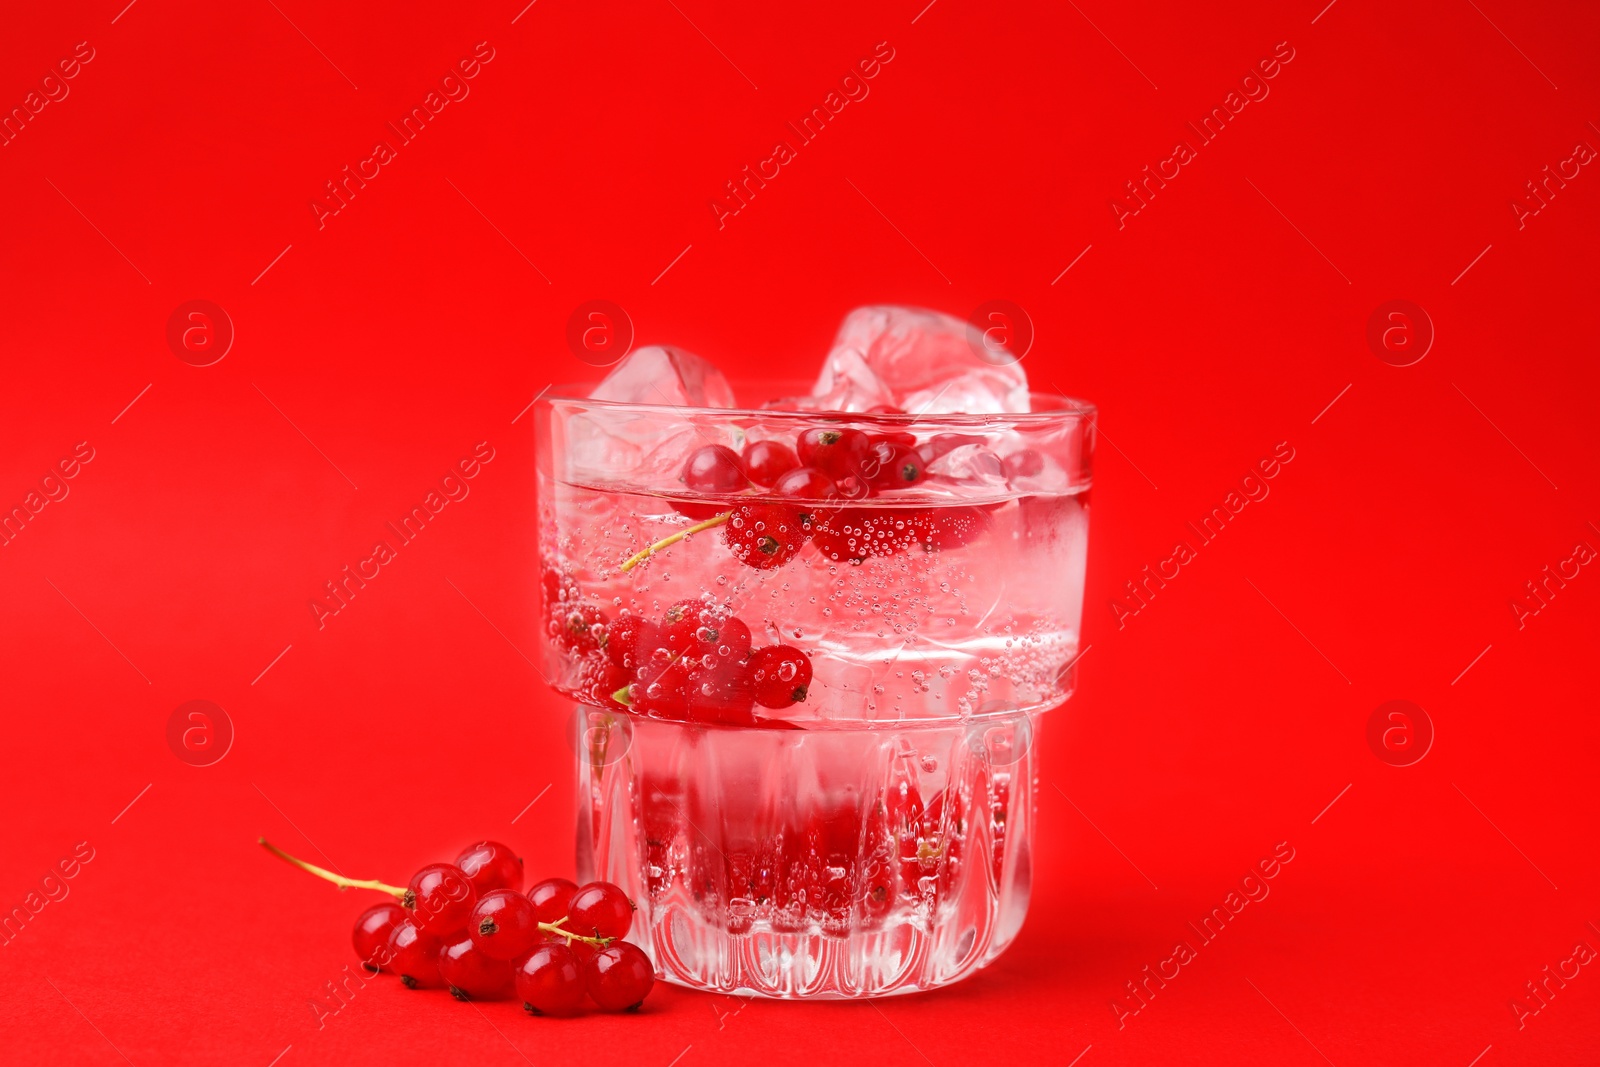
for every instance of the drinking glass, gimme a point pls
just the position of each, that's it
(875, 837)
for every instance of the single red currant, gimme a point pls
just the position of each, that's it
(764, 536)
(490, 865)
(838, 453)
(660, 687)
(371, 935)
(598, 680)
(440, 898)
(723, 693)
(629, 639)
(767, 461)
(885, 409)
(503, 924)
(601, 909)
(470, 973)
(780, 674)
(806, 483)
(619, 977)
(414, 956)
(550, 982)
(578, 628)
(714, 469)
(551, 899)
(896, 466)
(681, 622)
(721, 640)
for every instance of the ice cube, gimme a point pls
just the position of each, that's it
(920, 361)
(656, 374)
(648, 447)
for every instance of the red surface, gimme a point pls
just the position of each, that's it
(1220, 720)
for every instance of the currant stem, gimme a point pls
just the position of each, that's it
(639, 557)
(557, 928)
(337, 879)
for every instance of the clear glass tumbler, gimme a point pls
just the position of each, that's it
(875, 836)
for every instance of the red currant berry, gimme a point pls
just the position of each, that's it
(628, 640)
(722, 693)
(491, 865)
(598, 681)
(764, 536)
(551, 899)
(851, 536)
(780, 674)
(503, 925)
(806, 483)
(714, 469)
(414, 956)
(440, 898)
(600, 909)
(470, 973)
(371, 935)
(838, 453)
(619, 977)
(550, 982)
(885, 409)
(723, 641)
(578, 629)
(767, 461)
(895, 466)
(1026, 463)
(681, 622)
(660, 688)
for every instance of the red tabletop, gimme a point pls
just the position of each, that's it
(1206, 211)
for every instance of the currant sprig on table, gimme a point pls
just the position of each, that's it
(467, 927)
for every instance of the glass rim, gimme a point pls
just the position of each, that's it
(1064, 410)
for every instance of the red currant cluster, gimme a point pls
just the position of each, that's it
(829, 465)
(695, 665)
(468, 927)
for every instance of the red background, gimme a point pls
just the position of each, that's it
(1222, 319)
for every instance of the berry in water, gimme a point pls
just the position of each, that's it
(503, 925)
(767, 461)
(619, 977)
(578, 628)
(764, 536)
(599, 679)
(490, 865)
(628, 640)
(838, 453)
(780, 675)
(551, 899)
(722, 692)
(414, 956)
(660, 687)
(714, 469)
(600, 909)
(550, 981)
(894, 466)
(682, 621)
(470, 973)
(806, 483)
(440, 898)
(371, 935)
